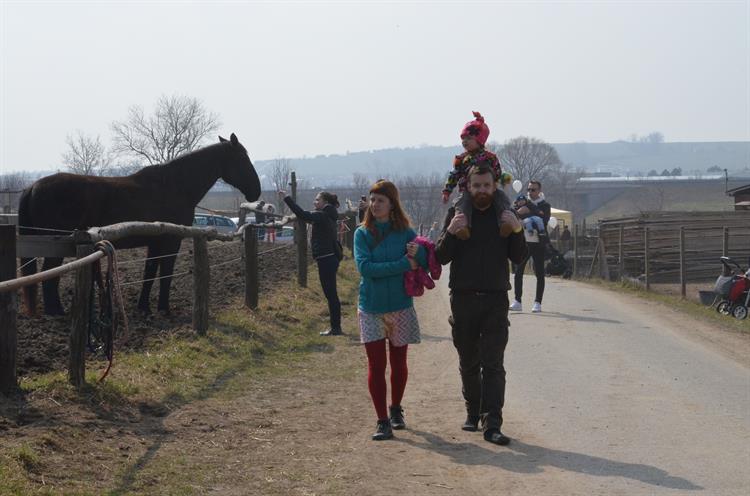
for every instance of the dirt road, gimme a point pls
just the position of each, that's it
(607, 394)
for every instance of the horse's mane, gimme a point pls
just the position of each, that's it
(159, 170)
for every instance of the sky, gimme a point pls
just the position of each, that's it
(296, 79)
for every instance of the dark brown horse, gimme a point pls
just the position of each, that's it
(168, 192)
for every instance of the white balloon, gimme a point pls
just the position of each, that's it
(552, 222)
(517, 185)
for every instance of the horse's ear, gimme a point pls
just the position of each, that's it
(234, 140)
(222, 140)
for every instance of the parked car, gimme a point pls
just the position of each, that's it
(222, 224)
(285, 234)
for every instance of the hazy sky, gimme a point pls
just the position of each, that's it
(293, 79)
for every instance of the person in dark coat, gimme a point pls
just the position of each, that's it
(325, 249)
(479, 284)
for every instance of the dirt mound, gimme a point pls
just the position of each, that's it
(43, 341)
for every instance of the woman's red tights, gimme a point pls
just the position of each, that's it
(376, 362)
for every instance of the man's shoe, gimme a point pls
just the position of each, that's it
(537, 308)
(397, 418)
(494, 436)
(471, 424)
(332, 332)
(383, 431)
(516, 306)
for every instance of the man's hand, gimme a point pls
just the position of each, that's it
(523, 211)
(446, 195)
(458, 222)
(282, 194)
(512, 220)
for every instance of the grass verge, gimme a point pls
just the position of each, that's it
(50, 431)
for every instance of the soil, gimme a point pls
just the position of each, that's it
(43, 340)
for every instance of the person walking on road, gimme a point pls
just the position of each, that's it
(384, 251)
(537, 206)
(325, 249)
(479, 284)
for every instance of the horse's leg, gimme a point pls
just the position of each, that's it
(167, 269)
(51, 289)
(148, 273)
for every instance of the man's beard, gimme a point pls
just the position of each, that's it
(481, 200)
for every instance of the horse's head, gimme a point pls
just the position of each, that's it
(238, 170)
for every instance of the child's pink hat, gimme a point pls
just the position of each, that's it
(477, 129)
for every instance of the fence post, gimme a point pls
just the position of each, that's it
(300, 237)
(351, 222)
(8, 309)
(683, 282)
(575, 250)
(80, 312)
(621, 254)
(251, 268)
(201, 280)
(725, 246)
(645, 258)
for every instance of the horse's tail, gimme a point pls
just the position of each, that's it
(28, 265)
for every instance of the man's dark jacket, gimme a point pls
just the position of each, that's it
(480, 263)
(324, 227)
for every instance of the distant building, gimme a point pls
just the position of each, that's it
(741, 197)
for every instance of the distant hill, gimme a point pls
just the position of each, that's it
(619, 157)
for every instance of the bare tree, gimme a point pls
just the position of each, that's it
(15, 181)
(178, 126)
(361, 182)
(86, 155)
(281, 170)
(421, 198)
(11, 186)
(527, 158)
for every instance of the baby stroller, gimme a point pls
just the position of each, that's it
(557, 265)
(733, 287)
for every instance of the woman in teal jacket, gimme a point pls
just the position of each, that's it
(384, 252)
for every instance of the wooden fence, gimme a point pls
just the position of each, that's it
(663, 247)
(83, 246)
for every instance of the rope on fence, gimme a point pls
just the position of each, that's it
(275, 249)
(27, 263)
(174, 276)
(178, 254)
(226, 262)
(47, 229)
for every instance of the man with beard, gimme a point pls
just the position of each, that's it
(479, 283)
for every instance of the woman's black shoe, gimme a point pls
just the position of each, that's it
(383, 431)
(397, 417)
(332, 332)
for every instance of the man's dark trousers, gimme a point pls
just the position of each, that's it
(536, 253)
(480, 334)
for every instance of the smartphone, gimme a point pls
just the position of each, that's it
(364, 198)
